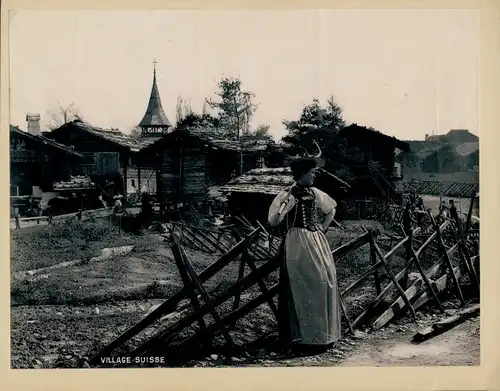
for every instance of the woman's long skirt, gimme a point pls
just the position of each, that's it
(308, 302)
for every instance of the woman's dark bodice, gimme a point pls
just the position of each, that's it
(304, 212)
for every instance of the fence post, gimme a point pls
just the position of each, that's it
(373, 259)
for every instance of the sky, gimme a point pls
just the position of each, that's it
(406, 73)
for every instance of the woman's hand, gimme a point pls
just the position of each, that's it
(321, 228)
(328, 220)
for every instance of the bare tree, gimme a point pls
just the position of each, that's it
(235, 107)
(183, 109)
(179, 114)
(61, 115)
(204, 110)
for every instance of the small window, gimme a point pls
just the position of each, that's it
(132, 182)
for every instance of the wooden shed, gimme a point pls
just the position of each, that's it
(252, 193)
(190, 161)
(375, 174)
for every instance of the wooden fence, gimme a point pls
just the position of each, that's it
(85, 215)
(440, 256)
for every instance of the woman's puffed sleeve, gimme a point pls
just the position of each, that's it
(324, 201)
(275, 206)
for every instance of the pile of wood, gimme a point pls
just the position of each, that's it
(75, 183)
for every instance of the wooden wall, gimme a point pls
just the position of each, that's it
(188, 166)
(101, 157)
(183, 172)
(100, 163)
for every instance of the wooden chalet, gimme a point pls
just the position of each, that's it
(189, 161)
(378, 170)
(108, 154)
(36, 162)
(252, 193)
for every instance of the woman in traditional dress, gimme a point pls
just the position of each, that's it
(308, 303)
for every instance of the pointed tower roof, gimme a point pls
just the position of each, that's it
(155, 116)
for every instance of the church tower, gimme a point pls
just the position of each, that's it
(154, 123)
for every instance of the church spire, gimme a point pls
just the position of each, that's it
(154, 123)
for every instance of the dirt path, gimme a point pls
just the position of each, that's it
(61, 336)
(459, 346)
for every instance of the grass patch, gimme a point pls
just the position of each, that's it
(51, 292)
(42, 246)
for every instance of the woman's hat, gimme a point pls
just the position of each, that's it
(308, 158)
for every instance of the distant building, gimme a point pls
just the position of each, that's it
(454, 152)
(454, 136)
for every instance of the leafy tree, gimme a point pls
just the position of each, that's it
(262, 132)
(197, 120)
(321, 124)
(235, 106)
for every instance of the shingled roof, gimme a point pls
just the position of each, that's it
(112, 135)
(266, 181)
(260, 180)
(436, 188)
(359, 131)
(216, 138)
(466, 149)
(422, 148)
(45, 141)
